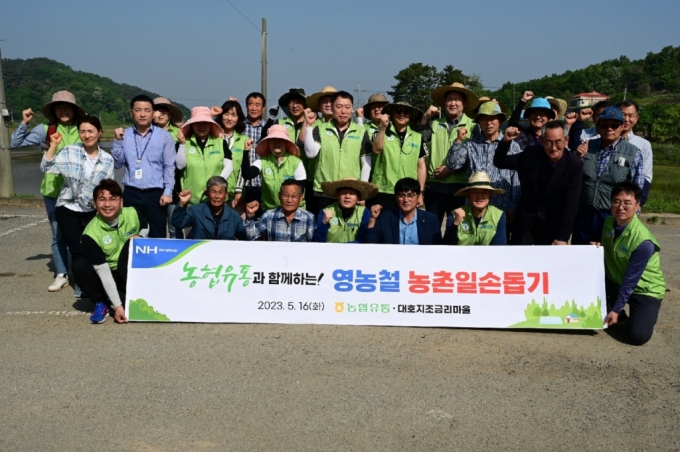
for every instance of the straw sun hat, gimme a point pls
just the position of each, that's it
(480, 181)
(366, 190)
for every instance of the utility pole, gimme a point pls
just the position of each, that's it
(6, 180)
(358, 93)
(625, 92)
(264, 63)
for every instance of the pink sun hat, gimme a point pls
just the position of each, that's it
(202, 114)
(277, 131)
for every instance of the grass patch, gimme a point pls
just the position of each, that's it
(23, 196)
(664, 196)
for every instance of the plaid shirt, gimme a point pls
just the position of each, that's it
(637, 170)
(70, 163)
(255, 134)
(273, 223)
(477, 155)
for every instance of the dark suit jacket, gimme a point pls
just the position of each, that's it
(550, 213)
(386, 229)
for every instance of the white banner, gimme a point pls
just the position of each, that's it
(352, 284)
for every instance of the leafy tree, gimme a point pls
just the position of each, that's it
(418, 80)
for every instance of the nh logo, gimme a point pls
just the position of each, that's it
(146, 249)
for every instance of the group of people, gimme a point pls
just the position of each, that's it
(383, 173)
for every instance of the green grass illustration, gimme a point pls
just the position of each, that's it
(141, 310)
(589, 317)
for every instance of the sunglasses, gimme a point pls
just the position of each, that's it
(401, 111)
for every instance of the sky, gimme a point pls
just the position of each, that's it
(203, 51)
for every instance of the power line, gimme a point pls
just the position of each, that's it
(244, 16)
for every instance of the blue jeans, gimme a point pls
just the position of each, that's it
(59, 250)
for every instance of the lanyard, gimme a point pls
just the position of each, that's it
(139, 157)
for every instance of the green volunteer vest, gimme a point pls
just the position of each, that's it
(111, 240)
(372, 128)
(51, 183)
(290, 128)
(342, 231)
(310, 164)
(617, 254)
(336, 160)
(173, 131)
(273, 174)
(396, 161)
(439, 147)
(596, 191)
(237, 148)
(469, 233)
(202, 165)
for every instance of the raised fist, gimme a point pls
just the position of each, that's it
(27, 116)
(384, 121)
(310, 117)
(215, 110)
(184, 197)
(375, 211)
(570, 118)
(249, 144)
(585, 114)
(458, 216)
(180, 137)
(462, 134)
(511, 133)
(432, 111)
(327, 215)
(359, 112)
(527, 96)
(118, 133)
(55, 138)
(252, 207)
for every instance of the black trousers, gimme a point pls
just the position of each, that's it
(72, 224)
(643, 314)
(320, 203)
(88, 279)
(147, 203)
(442, 203)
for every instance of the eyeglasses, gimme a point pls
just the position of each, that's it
(402, 111)
(553, 144)
(626, 204)
(111, 199)
(409, 195)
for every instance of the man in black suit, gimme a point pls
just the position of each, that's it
(551, 186)
(406, 224)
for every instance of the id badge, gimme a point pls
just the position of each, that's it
(138, 173)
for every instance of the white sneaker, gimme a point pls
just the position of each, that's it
(59, 283)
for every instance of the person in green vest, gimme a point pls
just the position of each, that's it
(279, 161)
(609, 160)
(479, 222)
(369, 115)
(101, 271)
(340, 147)
(62, 114)
(398, 152)
(231, 118)
(456, 103)
(168, 116)
(632, 266)
(202, 152)
(321, 102)
(345, 221)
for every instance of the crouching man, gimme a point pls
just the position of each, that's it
(102, 270)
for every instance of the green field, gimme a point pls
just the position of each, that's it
(664, 197)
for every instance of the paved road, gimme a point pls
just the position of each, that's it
(66, 385)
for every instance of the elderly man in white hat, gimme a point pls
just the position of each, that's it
(62, 114)
(477, 155)
(479, 222)
(457, 102)
(345, 221)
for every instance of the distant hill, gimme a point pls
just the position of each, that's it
(656, 75)
(31, 83)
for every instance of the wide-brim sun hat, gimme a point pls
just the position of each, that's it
(175, 113)
(202, 114)
(558, 104)
(293, 92)
(313, 100)
(377, 98)
(438, 96)
(540, 103)
(504, 107)
(479, 180)
(366, 189)
(490, 108)
(401, 101)
(276, 131)
(62, 97)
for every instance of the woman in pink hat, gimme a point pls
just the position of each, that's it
(279, 161)
(62, 114)
(203, 153)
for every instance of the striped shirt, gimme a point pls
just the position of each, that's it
(254, 133)
(477, 155)
(70, 163)
(275, 227)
